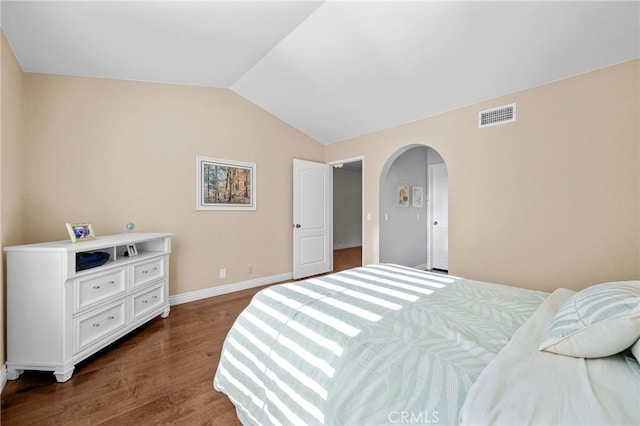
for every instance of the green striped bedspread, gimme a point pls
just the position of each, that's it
(381, 344)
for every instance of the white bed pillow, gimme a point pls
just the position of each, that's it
(598, 321)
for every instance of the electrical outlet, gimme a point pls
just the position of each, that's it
(250, 269)
(223, 273)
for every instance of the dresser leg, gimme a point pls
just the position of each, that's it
(13, 373)
(165, 313)
(63, 376)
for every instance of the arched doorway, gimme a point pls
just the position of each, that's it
(406, 225)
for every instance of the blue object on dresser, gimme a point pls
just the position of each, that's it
(86, 260)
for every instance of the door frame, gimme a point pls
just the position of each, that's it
(362, 214)
(430, 168)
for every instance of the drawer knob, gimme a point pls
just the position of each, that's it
(111, 317)
(144, 301)
(145, 272)
(111, 282)
(154, 297)
(96, 287)
(96, 324)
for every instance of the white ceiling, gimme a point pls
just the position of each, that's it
(334, 69)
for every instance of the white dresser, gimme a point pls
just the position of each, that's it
(57, 316)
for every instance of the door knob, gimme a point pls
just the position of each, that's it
(297, 225)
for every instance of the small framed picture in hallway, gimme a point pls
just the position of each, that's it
(417, 196)
(402, 195)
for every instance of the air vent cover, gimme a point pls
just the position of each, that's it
(499, 115)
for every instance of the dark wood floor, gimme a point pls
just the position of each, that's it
(160, 374)
(347, 258)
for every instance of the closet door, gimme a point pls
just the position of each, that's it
(439, 182)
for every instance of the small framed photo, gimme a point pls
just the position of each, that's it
(417, 196)
(132, 250)
(402, 195)
(80, 232)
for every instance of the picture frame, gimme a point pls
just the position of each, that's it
(225, 184)
(417, 196)
(402, 195)
(79, 232)
(132, 250)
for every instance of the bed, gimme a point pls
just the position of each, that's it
(388, 344)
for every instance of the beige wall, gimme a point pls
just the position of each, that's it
(551, 200)
(548, 201)
(11, 83)
(109, 152)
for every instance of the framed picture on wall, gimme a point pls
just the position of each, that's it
(417, 196)
(225, 184)
(402, 194)
(79, 232)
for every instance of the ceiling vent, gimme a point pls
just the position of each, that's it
(499, 115)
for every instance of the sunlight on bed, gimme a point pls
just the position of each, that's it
(245, 369)
(356, 294)
(297, 398)
(295, 347)
(382, 270)
(362, 313)
(377, 288)
(398, 283)
(303, 330)
(335, 323)
(287, 313)
(287, 366)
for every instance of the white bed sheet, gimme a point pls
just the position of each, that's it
(523, 385)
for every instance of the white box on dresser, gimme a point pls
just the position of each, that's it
(58, 316)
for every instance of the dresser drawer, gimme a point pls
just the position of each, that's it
(148, 300)
(96, 325)
(148, 271)
(95, 288)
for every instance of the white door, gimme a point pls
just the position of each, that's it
(312, 207)
(439, 189)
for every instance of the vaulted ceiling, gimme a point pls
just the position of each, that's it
(335, 69)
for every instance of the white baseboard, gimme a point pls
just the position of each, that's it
(192, 296)
(422, 267)
(3, 377)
